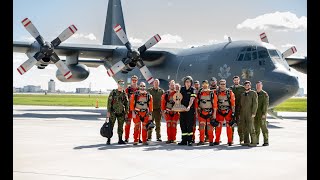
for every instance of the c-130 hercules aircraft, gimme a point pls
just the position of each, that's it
(250, 60)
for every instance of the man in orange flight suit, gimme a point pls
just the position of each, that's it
(129, 91)
(226, 108)
(141, 105)
(206, 108)
(171, 117)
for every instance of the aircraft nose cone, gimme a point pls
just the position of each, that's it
(281, 85)
(292, 85)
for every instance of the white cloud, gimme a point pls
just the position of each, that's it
(287, 45)
(170, 39)
(225, 37)
(89, 36)
(135, 41)
(278, 21)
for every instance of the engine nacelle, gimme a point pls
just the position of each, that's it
(79, 72)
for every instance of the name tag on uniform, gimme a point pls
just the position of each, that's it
(188, 92)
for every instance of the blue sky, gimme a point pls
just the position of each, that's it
(181, 23)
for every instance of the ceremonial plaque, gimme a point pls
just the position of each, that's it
(178, 107)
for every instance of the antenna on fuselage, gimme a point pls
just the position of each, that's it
(229, 39)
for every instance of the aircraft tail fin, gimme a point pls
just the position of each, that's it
(114, 17)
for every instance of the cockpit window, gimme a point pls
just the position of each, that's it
(263, 54)
(276, 57)
(254, 55)
(248, 53)
(247, 57)
(240, 58)
(273, 53)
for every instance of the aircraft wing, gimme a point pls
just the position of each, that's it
(94, 54)
(298, 63)
(85, 50)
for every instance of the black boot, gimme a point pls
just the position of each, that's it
(120, 140)
(108, 142)
(184, 141)
(189, 140)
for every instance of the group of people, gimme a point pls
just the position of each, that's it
(212, 105)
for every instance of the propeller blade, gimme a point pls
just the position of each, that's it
(263, 37)
(289, 52)
(33, 31)
(64, 35)
(122, 36)
(151, 42)
(146, 74)
(63, 68)
(115, 68)
(28, 64)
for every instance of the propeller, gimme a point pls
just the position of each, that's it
(263, 37)
(46, 49)
(286, 53)
(133, 56)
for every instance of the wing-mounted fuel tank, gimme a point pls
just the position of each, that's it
(79, 72)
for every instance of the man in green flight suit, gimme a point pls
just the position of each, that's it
(238, 89)
(156, 93)
(248, 109)
(118, 107)
(260, 121)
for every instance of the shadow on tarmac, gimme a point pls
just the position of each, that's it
(156, 146)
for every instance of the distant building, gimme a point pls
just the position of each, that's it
(82, 90)
(31, 88)
(18, 89)
(300, 92)
(51, 86)
(14, 89)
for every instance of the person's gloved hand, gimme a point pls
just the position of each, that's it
(214, 123)
(233, 115)
(232, 123)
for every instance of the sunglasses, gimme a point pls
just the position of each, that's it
(142, 86)
(222, 84)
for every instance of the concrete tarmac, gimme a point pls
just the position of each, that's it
(64, 143)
